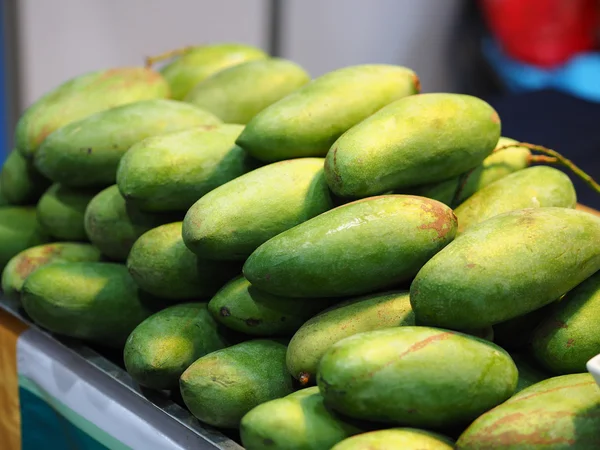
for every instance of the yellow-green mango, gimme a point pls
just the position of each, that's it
(28, 261)
(82, 96)
(21, 184)
(561, 413)
(19, 230)
(239, 93)
(506, 267)
(199, 63)
(357, 248)
(316, 336)
(231, 221)
(416, 140)
(534, 187)
(395, 439)
(309, 120)
(87, 152)
(171, 172)
(416, 377)
(160, 348)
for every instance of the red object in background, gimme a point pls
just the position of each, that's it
(544, 33)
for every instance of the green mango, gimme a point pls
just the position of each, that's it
(240, 306)
(87, 152)
(506, 267)
(160, 348)
(515, 334)
(529, 372)
(83, 96)
(309, 120)
(534, 187)
(19, 230)
(201, 62)
(299, 421)
(113, 225)
(556, 414)
(239, 93)
(234, 219)
(221, 387)
(416, 377)
(171, 172)
(416, 140)
(396, 438)
(21, 184)
(94, 301)
(356, 248)
(28, 261)
(161, 264)
(315, 337)
(61, 212)
(569, 336)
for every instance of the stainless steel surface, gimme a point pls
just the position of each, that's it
(210, 438)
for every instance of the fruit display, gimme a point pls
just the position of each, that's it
(339, 263)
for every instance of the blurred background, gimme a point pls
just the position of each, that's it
(535, 61)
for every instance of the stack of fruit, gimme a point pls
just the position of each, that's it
(243, 233)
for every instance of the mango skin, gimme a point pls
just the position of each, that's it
(87, 152)
(299, 421)
(160, 348)
(113, 225)
(239, 93)
(161, 264)
(386, 376)
(199, 63)
(529, 372)
(317, 335)
(28, 261)
(19, 230)
(171, 172)
(221, 387)
(416, 140)
(534, 187)
(308, 121)
(93, 301)
(61, 212)
(396, 438)
(561, 413)
(231, 221)
(21, 184)
(82, 96)
(486, 276)
(353, 249)
(570, 335)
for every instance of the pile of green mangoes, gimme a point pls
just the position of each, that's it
(339, 263)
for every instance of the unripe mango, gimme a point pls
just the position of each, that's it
(19, 230)
(21, 184)
(396, 438)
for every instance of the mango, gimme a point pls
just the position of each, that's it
(113, 225)
(529, 372)
(93, 301)
(19, 230)
(239, 93)
(506, 267)
(234, 219)
(569, 336)
(82, 96)
(171, 172)
(3, 200)
(299, 421)
(515, 334)
(309, 120)
(87, 152)
(396, 438)
(416, 377)
(315, 337)
(353, 249)
(21, 184)
(555, 414)
(161, 264)
(160, 348)
(221, 387)
(28, 261)
(61, 212)
(535, 187)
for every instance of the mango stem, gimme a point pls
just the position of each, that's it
(151, 60)
(532, 159)
(560, 159)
